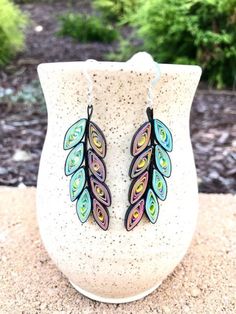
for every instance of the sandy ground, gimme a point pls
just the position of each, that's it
(205, 281)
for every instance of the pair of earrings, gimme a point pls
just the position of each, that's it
(151, 163)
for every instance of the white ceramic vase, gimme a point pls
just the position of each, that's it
(115, 265)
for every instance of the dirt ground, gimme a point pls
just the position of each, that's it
(23, 128)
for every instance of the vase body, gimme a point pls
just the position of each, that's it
(116, 265)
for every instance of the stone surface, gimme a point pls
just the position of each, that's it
(205, 281)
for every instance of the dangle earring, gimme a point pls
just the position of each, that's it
(151, 163)
(85, 163)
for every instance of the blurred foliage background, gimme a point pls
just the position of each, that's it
(201, 32)
(174, 31)
(12, 25)
(86, 28)
(187, 32)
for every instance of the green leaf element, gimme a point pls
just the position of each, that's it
(159, 185)
(74, 159)
(77, 183)
(163, 162)
(75, 134)
(163, 135)
(84, 205)
(152, 206)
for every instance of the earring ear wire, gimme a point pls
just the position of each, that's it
(89, 81)
(153, 84)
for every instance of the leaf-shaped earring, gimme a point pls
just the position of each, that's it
(87, 170)
(150, 165)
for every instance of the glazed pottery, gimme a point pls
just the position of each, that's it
(117, 265)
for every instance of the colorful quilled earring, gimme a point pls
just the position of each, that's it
(150, 165)
(86, 167)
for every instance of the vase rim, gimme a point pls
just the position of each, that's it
(109, 65)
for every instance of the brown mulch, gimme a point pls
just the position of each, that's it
(22, 129)
(213, 135)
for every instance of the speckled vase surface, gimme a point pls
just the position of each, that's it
(116, 265)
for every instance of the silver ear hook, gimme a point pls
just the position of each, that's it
(153, 85)
(90, 83)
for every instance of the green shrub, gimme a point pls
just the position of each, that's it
(86, 28)
(190, 32)
(115, 10)
(12, 24)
